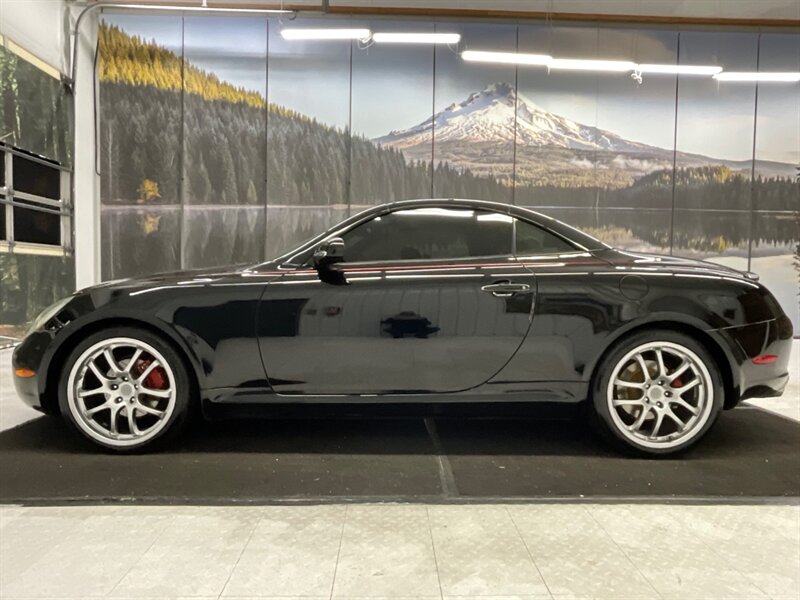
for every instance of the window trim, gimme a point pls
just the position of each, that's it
(9, 201)
(422, 262)
(569, 242)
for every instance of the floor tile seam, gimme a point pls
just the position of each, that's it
(413, 500)
(433, 549)
(624, 552)
(338, 552)
(732, 564)
(166, 526)
(239, 556)
(528, 550)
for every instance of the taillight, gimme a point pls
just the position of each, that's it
(765, 359)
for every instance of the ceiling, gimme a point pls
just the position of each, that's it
(662, 10)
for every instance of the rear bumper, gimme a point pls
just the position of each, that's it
(768, 338)
(770, 388)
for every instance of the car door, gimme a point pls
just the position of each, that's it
(431, 300)
(574, 308)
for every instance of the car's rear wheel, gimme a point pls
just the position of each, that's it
(658, 392)
(124, 388)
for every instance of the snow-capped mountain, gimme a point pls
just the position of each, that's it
(478, 134)
(488, 116)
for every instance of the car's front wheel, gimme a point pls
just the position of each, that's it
(658, 392)
(123, 388)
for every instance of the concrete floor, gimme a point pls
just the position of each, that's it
(523, 551)
(402, 551)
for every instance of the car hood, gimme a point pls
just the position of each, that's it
(187, 277)
(645, 261)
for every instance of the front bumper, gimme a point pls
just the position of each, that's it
(27, 390)
(30, 355)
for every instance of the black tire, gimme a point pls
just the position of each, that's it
(610, 428)
(172, 425)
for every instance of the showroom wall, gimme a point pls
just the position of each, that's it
(35, 116)
(220, 142)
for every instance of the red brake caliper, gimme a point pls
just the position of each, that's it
(156, 379)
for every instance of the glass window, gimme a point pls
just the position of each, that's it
(36, 178)
(37, 226)
(32, 210)
(532, 240)
(430, 233)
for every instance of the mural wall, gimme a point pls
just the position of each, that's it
(221, 142)
(35, 115)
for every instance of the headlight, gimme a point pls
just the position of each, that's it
(47, 314)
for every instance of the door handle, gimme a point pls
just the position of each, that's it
(506, 289)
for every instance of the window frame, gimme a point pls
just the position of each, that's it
(424, 261)
(11, 199)
(301, 257)
(569, 242)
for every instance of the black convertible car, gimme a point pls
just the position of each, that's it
(417, 301)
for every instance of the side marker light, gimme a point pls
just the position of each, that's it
(765, 359)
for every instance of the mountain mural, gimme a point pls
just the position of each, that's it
(172, 134)
(550, 149)
(197, 172)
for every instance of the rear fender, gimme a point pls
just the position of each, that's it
(719, 343)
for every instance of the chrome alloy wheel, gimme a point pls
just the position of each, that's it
(660, 395)
(121, 392)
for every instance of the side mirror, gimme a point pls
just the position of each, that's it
(328, 253)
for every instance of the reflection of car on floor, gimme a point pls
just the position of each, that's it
(481, 302)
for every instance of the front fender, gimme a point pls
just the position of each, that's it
(55, 345)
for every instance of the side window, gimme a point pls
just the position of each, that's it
(531, 240)
(430, 233)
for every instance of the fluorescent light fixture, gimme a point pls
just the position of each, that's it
(510, 58)
(325, 34)
(206, 9)
(575, 64)
(386, 37)
(680, 69)
(763, 76)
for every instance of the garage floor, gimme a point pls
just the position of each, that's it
(520, 552)
(413, 507)
(318, 456)
(750, 453)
